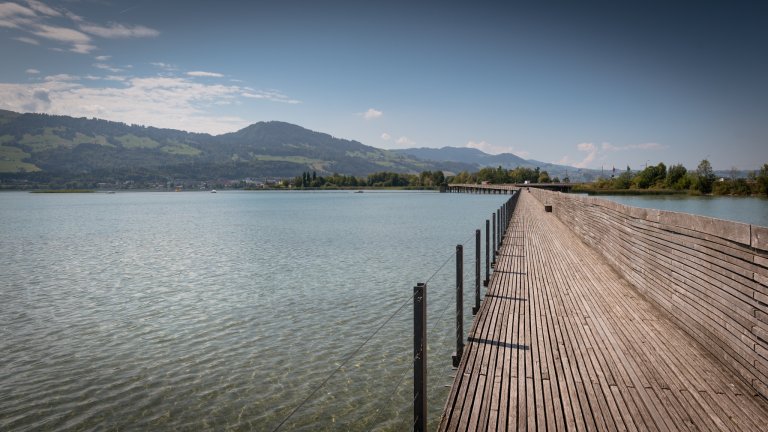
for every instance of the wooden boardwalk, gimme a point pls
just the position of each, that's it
(562, 342)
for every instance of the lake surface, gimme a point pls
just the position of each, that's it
(199, 311)
(743, 209)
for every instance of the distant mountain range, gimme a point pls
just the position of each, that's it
(61, 148)
(504, 160)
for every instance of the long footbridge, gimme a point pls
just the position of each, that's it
(600, 316)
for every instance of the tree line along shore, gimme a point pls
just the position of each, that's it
(653, 179)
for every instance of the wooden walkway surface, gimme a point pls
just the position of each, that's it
(562, 342)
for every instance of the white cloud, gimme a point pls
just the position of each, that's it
(386, 137)
(27, 40)
(62, 34)
(43, 9)
(170, 102)
(61, 78)
(270, 95)
(13, 15)
(405, 142)
(165, 66)
(644, 146)
(36, 18)
(600, 152)
(119, 31)
(32, 71)
(495, 149)
(102, 58)
(205, 74)
(82, 48)
(372, 114)
(107, 67)
(591, 150)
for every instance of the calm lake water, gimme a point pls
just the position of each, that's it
(743, 209)
(199, 311)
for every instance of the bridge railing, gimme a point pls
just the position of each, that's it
(493, 240)
(709, 275)
(436, 330)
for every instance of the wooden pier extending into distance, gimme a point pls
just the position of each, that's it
(600, 316)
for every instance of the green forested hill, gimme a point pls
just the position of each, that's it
(41, 145)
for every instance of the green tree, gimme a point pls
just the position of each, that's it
(762, 180)
(651, 176)
(675, 177)
(438, 178)
(462, 178)
(705, 177)
(544, 177)
(623, 180)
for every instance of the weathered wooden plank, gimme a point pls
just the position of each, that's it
(579, 348)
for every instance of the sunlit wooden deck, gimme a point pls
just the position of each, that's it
(563, 342)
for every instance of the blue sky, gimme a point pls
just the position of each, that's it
(588, 84)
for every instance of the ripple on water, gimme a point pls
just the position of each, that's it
(173, 311)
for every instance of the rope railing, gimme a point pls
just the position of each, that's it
(442, 297)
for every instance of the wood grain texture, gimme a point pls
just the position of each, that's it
(597, 318)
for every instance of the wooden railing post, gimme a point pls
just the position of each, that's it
(498, 238)
(477, 273)
(501, 223)
(493, 217)
(420, 357)
(459, 305)
(487, 252)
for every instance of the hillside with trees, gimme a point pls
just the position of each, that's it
(41, 148)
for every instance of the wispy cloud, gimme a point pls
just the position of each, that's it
(644, 146)
(14, 15)
(270, 95)
(27, 40)
(70, 29)
(371, 114)
(489, 148)
(61, 34)
(205, 74)
(165, 66)
(61, 78)
(386, 137)
(102, 58)
(32, 71)
(592, 151)
(404, 141)
(42, 8)
(119, 31)
(107, 67)
(172, 102)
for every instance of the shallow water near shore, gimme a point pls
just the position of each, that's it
(201, 311)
